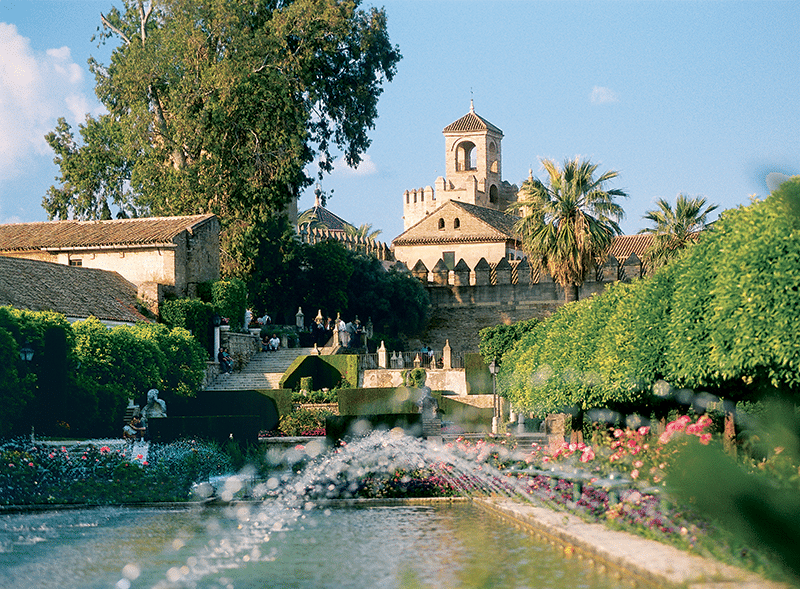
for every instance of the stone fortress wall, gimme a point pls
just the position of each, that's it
(465, 300)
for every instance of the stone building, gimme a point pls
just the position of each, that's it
(158, 255)
(473, 160)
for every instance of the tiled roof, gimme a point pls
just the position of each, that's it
(471, 122)
(496, 226)
(320, 217)
(624, 245)
(75, 292)
(86, 234)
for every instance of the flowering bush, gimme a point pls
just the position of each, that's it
(33, 473)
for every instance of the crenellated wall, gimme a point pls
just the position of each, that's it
(465, 300)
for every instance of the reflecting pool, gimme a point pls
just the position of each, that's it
(398, 547)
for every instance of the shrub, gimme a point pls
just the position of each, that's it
(230, 298)
(193, 315)
(304, 422)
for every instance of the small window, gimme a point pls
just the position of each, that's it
(75, 262)
(456, 223)
(441, 224)
(493, 193)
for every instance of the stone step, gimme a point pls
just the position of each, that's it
(263, 371)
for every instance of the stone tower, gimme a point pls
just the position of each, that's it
(473, 159)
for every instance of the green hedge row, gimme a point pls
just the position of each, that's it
(82, 375)
(723, 318)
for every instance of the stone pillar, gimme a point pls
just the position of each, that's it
(217, 344)
(382, 356)
(299, 319)
(447, 356)
(417, 361)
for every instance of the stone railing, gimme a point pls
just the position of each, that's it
(447, 359)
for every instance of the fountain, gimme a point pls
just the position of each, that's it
(306, 530)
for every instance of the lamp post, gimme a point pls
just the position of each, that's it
(494, 366)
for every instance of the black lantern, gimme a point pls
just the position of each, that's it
(26, 352)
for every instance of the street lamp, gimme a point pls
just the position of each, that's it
(494, 367)
(26, 352)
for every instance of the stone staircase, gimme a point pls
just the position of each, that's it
(264, 371)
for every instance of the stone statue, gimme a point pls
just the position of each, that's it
(155, 407)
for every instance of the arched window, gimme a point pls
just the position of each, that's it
(493, 193)
(441, 224)
(456, 223)
(466, 156)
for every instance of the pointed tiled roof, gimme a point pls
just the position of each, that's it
(54, 235)
(471, 122)
(75, 292)
(496, 226)
(320, 217)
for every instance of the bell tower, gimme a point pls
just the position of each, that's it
(473, 164)
(473, 159)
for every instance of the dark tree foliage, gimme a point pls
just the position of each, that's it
(497, 340)
(219, 107)
(327, 278)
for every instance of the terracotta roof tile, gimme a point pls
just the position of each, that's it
(82, 234)
(624, 245)
(75, 292)
(471, 122)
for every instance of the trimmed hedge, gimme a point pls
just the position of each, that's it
(327, 372)
(476, 372)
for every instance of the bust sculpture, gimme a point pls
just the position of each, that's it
(155, 407)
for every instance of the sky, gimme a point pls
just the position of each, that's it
(700, 98)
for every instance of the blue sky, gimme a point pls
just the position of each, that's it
(695, 97)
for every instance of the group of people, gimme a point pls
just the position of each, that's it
(136, 429)
(225, 361)
(270, 344)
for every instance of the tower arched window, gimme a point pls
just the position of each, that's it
(493, 193)
(466, 156)
(441, 224)
(456, 223)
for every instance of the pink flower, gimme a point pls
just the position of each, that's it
(11, 464)
(705, 439)
(30, 464)
(145, 463)
(139, 457)
(635, 474)
(587, 455)
(617, 433)
(638, 464)
(104, 449)
(643, 431)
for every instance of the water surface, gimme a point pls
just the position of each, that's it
(449, 546)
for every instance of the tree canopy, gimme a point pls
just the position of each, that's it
(219, 107)
(568, 224)
(673, 230)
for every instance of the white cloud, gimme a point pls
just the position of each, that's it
(366, 168)
(35, 89)
(601, 95)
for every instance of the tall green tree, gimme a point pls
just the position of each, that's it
(218, 107)
(675, 229)
(568, 223)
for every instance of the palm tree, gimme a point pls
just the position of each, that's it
(567, 225)
(674, 230)
(364, 230)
